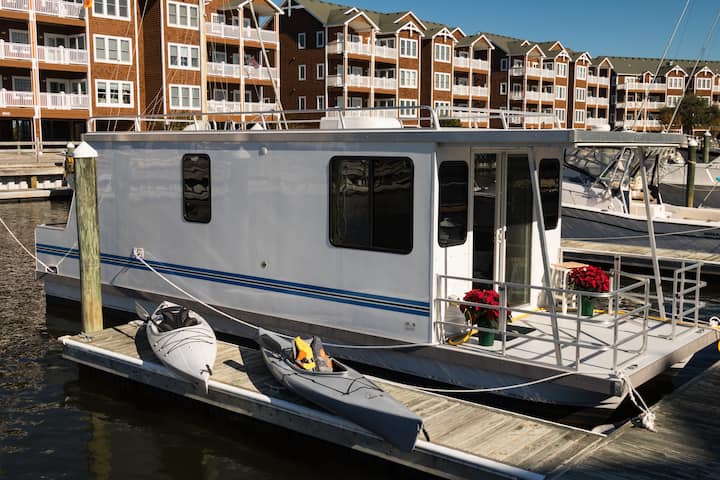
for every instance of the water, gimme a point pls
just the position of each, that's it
(56, 423)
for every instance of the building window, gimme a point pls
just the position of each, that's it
(560, 91)
(676, 83)
(442, 109)
(407, 112)
(22, 36)
(504, 64)
(549, 177)
(302, 103)
(561, 69)
(442, 81)
(503, 88)
(21, 84)
(581, 72)
(320, 71)
(560, 114)
(673, 100)
(112, 49)
(579, 116)
(113, 93)
(183, 15)
(452, 203)
(301, 40)
(442, 52)
(196, 188)
(580, 94)
(408, 78)
(408, 48)
(301, 72)
(703, 83)
(111, 8)
(320, 102)
(319, 39)
(185, 96)
(371, 203)
(184, 56)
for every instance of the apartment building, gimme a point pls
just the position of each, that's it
(471, 78)
(643, 87)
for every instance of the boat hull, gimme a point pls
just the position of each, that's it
(346, 393)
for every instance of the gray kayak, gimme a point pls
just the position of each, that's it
(182, 340)
(342, 391)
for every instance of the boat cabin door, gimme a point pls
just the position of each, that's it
(502, 213)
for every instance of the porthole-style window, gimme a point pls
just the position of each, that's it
(196, 188)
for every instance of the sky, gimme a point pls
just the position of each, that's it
(623, 28)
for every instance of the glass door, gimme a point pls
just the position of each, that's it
(484, 213)
(518, 204)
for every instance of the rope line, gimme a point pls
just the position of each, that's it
(17, 240)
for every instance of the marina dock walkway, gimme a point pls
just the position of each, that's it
(467, 440)
(685, 445)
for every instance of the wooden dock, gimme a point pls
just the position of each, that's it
(466, 440)
(685, 445)
(581, 249)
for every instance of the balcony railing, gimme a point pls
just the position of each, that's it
(478, 64)
(547, 96)
(9, 98)
(260, 73)
(548, 73)
(594, 122)
(461, 62)
(58, 8)
(64, 101)
(15, 4)
(479, 91)
(598, 100)
(222, 30)
(230, 70)
(385, 83)
(258, 33)
(385, 52)
(16, 51)
(350, 81)
(643, 86)
(635, 124)
(226, 106)
(463, 90)
(62, 55)
(350, 47)
(517, 71)
(534, 71)
(599, 80)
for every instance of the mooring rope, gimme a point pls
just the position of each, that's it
(17, 240)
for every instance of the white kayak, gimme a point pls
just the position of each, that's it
(182, 340)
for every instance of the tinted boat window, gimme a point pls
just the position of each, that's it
(196, 188)
(549, 173)
(453, 203)
(371, 203)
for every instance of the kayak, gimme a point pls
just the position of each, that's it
(182, 340)
(340, 390)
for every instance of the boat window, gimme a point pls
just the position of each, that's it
(549, 173)
(196, 188)
(453, 203)
(371, 203)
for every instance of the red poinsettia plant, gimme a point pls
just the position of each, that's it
(589, 279)
(478, 313)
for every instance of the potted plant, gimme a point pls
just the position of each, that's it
(589, 279)
(482, 316)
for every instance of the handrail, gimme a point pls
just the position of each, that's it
(637, 316)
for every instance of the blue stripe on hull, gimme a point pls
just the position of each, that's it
(400, 305)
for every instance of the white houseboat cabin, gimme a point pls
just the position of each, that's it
(365, 237)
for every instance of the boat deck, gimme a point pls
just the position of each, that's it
(572, 249)
(683, 448)
(466, 440)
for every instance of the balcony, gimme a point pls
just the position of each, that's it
(532, 95)
(9, 98)
(462, 90)
(386, 52)
(350, 47)
(385, 83)
(643, 86)
(597, 100)
(15, 51)
(534, 71)
(260, 73)
(222, 30)
(225, 106)
(463, 62)
(598, 80)
(548, 73)
(638, 124)
(547, 96)
(595, 122)
(64, 101)
(641, 105)
(63, 55)
(256, 34)
(479, 91)
(229, 70)
(15, 4)
(478, 64)
(350, 81)
(58, 8)
(517, 71)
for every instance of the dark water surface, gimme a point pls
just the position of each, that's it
(56, 423)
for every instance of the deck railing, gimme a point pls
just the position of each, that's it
(624, 325)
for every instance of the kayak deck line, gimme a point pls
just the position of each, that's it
(466, 440)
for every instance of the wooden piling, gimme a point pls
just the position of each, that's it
(691, 164)
(88, 237)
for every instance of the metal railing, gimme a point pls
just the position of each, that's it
(580, 339)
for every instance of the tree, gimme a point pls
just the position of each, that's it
(693, 112)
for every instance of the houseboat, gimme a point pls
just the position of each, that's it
(370, 237)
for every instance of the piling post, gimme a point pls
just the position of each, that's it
(706, 146)
(691, 164)
(88, 236)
